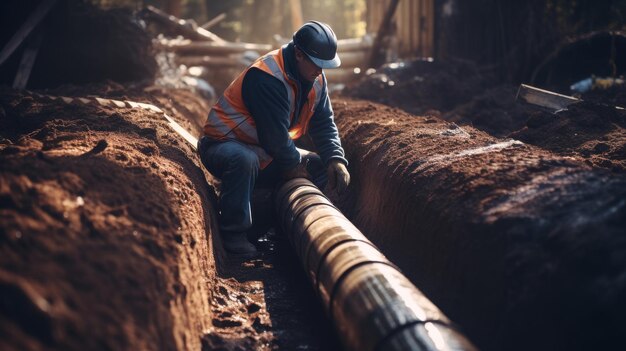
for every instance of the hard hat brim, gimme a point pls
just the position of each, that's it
(325, 64)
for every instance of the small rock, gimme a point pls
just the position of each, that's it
(601, 147)
(100, 146)
(253, 307)
(178, 238)
(226, 323)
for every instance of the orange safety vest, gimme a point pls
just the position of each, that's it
(229, 119)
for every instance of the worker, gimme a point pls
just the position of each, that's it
(249, 134)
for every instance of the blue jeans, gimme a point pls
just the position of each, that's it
(237, 166)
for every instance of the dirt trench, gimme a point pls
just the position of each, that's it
(108, 236)
(523, 248)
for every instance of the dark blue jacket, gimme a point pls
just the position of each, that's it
(266, 99)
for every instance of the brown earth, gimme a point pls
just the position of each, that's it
(523, 248)
(118, 209)
(494, 111)
(464, 93)
(419, 85)
(589, 130)
(108, 236)
(107, 220)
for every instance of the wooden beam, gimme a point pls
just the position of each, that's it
(28, 59)
(31, 22)
(343, 45)
(354, 58)
(207, 48)
(545, 98)
(213, 61)
(182, 26)
(355, 44)
(217, 19)
(378, 54)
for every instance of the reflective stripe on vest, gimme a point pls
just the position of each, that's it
(230, 119)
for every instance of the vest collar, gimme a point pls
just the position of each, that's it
(289, 57)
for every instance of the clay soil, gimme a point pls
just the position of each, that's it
(519, 245)
(108, 237)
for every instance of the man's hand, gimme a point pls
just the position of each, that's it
(298, 171)
(338, 176)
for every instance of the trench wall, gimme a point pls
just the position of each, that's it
(103, 230)
(522, 248)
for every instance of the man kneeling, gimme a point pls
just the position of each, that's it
(249, 134)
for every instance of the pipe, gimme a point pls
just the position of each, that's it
(371, 303)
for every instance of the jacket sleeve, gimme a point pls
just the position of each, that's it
(266, 99)
(323, 131)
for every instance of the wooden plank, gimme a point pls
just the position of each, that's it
(545, 98)
(208, 48)
(193, 141)
(28, 60)
(236, 61)
(33, 20)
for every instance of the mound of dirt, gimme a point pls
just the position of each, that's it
(518, 245)
(421, 85)
(107, 232)
(103, 242)
(494, 111)
(593, 131)
(612, 96)
(173, 101)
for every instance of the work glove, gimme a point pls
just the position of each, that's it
(338, 176)
(298, 171)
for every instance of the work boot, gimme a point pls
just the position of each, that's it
(237, 243)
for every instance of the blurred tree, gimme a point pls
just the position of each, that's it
(264, 18)
(230, 28)
(258, 20)
(195, 9)
(513, 36)
(346, 17)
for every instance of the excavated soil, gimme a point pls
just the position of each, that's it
(103, 230)
(107, 220)
(419, 86)
(593, 130)
(589, 130)
(494, 111)
(108, 236)
(523, 248)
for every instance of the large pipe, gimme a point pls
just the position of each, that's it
(371, 303)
